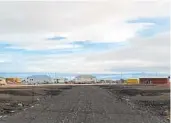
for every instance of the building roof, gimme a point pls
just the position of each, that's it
(153, 78)
(85, 76)
(39, 78)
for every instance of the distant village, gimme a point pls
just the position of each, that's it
(80, 79)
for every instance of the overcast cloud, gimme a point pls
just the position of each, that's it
(29, 29)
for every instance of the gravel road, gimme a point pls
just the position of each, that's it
(81, 104)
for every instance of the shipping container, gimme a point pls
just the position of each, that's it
(153, 80)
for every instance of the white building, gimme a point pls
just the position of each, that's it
(37, 79)
(60, 80)
(85, 79)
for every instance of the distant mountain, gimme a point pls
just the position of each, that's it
(70, 76)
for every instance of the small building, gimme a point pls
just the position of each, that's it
(60, 80)
(132, 81)
(106, 80)
(120, 81)
(2, 81)
(37, 79)
(85, 79)
(100, 81)
(153, 80)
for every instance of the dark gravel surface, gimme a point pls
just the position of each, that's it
(81, 104)
(155, 100)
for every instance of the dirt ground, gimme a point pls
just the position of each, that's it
(16, 98)
(151, 98)
(81, 104)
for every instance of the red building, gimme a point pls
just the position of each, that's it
(153, 80)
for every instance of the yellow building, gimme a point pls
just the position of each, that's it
(132, 81)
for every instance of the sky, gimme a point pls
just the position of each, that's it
(85, 36)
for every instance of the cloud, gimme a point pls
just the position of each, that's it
(47, 26)
(34, 41)
(150, 54)
(56, 38)
(68, 16)
(107, 32)
(26, 25)
(97, 33)
(143, 54)
(160, 24)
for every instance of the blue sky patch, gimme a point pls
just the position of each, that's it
(160, 25)
(38, 52)
(88, 45)
(4, 45)
(56, 38)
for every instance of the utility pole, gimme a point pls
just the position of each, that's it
(143, 74)
(132, 75)
(32, 90)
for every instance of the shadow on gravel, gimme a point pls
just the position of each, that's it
(16, 92)
(53, 92)
(65, 88)
(19, 92)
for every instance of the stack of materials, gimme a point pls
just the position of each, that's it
(13, 80)
(2, 81)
